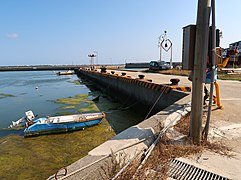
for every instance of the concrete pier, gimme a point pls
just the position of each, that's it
(141, 91)
(135, 139)
(225, 128)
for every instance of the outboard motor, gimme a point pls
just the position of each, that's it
(28, 119)
(30, 115)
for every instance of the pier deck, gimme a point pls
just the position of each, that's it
(225, 128)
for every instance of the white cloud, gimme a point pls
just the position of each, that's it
(12, 35)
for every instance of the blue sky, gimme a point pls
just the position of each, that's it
(66, 31)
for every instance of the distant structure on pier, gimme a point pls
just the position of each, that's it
(235, 61)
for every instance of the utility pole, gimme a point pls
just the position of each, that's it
(206, 129)
(199, 74)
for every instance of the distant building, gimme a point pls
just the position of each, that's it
(235, 45)
(235, 61)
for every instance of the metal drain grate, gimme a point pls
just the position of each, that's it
(184, 171)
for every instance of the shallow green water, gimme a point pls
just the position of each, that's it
(39, 157)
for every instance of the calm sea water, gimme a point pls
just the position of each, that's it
(51, 152)
(33, 90)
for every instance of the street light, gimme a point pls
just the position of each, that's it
(165, 44)
(92, 56)
(160, 40)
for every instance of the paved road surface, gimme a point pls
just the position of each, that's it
(225, 126)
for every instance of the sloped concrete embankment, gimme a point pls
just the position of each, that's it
(129, 143)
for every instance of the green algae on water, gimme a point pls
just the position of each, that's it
(90, 108)
(42, 156)
(79, 103)
(66, 107)
(77, 99)
(3, 95)
(63, 113)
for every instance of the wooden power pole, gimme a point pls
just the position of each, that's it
(199, 75)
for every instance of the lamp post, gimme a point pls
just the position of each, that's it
(160, 40)
(166, 45)
(92, 56)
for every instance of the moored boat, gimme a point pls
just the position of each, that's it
(56, 124)
(65, 73)
(60, 124)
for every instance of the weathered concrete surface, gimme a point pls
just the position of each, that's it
(231, 100)
(225, 128)
(156, 77)
(136, 139)
(138, 93)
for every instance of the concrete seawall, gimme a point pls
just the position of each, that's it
(140, 93)
(225, 126)
(174, 100)
(134, 140)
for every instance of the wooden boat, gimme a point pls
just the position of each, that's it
(60, 124)
(65, 73)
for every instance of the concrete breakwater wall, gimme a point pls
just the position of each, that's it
(134, 140)
(140, 94)
(137, 65)
(40, 67)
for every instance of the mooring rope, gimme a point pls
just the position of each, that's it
(122, 108)
(128, 107)
(162, 132)
(109, 155)
(155, 102)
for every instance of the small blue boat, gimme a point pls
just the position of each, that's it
(60, 124)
